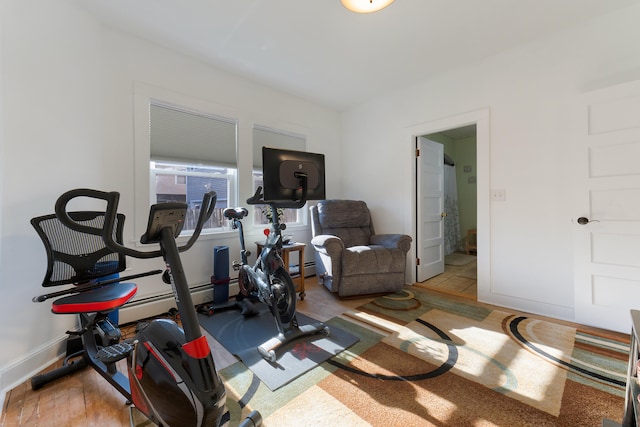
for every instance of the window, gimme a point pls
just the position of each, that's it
(192, 153)
(175, 182)
(267, 137)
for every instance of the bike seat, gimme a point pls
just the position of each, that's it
(101, 299)
(235, 213)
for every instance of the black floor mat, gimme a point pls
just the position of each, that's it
(241, 336)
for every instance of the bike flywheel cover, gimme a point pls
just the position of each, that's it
(284, 295)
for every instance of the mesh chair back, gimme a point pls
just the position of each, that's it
(78, 257)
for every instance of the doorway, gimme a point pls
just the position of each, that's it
(479, 119)
(458, 161)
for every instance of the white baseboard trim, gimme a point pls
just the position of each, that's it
(22, 370)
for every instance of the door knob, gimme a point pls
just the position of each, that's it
(584, 220)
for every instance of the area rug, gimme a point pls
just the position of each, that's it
(241, 336)
(427, 359)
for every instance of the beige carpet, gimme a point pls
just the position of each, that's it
(425, 359)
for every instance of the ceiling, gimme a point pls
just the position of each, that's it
(321, 52)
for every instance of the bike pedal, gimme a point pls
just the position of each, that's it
(113, 353)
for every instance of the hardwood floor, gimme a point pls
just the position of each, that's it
(456, 280)
(86, 399)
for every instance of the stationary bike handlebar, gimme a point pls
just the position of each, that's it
(112, 198)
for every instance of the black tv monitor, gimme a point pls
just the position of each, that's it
(281, 170)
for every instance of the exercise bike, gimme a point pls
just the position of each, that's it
(268, 280)
(172, 377)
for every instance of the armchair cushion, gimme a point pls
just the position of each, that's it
(350, 258)
(349, 220)
(400, 241)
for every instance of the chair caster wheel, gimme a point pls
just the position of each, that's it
(326, 331)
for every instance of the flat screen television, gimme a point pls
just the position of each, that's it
(281, 171)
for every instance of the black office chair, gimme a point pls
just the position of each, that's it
(83, 260)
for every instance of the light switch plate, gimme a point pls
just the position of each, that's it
(498, 195)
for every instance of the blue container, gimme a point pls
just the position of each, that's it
(221, 262)
(220, 291)
(220, 278)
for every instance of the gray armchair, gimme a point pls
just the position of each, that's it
(351, 259)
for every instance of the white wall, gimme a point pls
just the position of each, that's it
(533, 94)
(67, 114)
(2, 13)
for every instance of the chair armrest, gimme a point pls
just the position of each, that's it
(328, 244)
(392, 241)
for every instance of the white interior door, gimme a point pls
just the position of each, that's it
(607, 223)
(430, 209)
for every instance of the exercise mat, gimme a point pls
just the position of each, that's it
(241, 336)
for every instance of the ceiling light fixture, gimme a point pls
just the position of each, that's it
(365, 6)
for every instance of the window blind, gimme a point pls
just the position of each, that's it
(267, 137)
(192, 137)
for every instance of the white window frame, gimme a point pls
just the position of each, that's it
(144, 96)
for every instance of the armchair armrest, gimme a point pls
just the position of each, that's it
(328, 244)
(392, 241)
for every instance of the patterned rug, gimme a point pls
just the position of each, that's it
(426, 359)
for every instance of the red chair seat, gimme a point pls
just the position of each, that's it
(100, 299)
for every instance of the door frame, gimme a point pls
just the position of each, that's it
(481, 118)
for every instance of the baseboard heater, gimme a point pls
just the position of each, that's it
(309, 269)
(153, 306)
